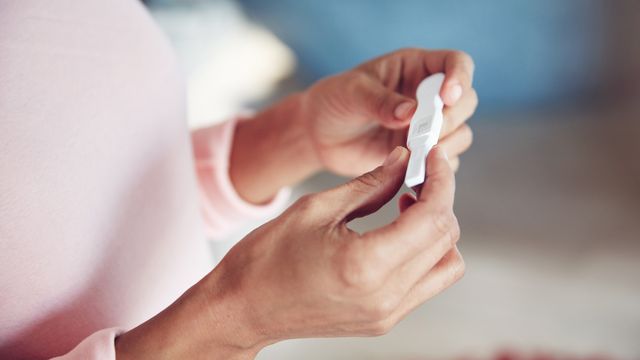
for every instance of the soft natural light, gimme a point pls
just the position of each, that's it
(228, 61)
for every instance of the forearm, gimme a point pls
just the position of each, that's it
(204, 323)
(271, 151)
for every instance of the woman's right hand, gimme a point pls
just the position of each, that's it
(306, 274)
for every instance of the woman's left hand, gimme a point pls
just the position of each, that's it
(356, 118)
(349, 123)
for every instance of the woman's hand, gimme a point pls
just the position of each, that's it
(347, 123)
(306, 274)
(355, 118)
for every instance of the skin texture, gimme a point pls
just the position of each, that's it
(348, 123)
(305, 273)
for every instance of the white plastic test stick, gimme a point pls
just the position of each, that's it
(425, 127)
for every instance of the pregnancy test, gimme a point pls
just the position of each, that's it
(425, 127)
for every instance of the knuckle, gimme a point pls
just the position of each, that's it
(447, 225)
(454, 232)
(455, 271)
(380, 105)
(381, 309)
(471, 102)
(474, 98)
(370, 180)
(458, 269)
(455, 163)
(353, 81)
(356, 275)
(466, 58)
(356, 78)
(308, 203)
(305, 201)
(467, 135)
(381, 327)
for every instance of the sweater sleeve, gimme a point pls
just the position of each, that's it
(221, 206)
(98, 346)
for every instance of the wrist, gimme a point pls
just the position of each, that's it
(272, 150)
(234, 322)
(205, 322)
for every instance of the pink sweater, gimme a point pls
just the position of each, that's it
(100, 226)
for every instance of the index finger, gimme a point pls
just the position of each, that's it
(426, 223)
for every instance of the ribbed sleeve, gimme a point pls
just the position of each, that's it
(222, 208)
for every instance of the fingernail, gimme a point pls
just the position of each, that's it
(393, 157)
(455, 92)
(403, 110)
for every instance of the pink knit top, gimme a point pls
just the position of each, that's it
(103, 209)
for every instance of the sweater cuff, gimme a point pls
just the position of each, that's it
(222, 207)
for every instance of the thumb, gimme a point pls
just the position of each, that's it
(440, 186)
(369, 192)
(392, 109)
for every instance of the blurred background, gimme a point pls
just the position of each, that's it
(549, 195)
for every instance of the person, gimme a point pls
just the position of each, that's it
(104, 197)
